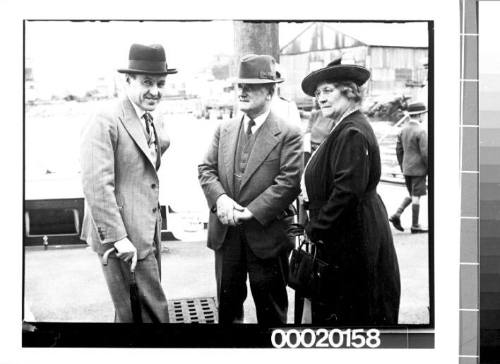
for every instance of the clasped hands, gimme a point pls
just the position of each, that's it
(230, 212)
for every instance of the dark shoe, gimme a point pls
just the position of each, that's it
(418, 230)
(396, 222)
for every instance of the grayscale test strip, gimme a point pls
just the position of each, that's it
(469, 179)
(489, 181)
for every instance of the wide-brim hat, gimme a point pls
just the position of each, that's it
(416, 108)
(147, 59)
(257, 69)
(335, 72)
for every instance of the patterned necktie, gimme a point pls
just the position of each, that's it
(149, 125)
(251, 123)
(152, 136)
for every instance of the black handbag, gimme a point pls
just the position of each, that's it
(308, 274)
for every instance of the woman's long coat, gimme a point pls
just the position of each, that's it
(348, 215)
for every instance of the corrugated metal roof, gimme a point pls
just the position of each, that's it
(386, 34)
(325, 36)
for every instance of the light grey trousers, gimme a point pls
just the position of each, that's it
(154, 307)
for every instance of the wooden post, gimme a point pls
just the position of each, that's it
(261, 38)
(256, 37)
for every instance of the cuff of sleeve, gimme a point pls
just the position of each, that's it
(214, 204)
(114, 239)
(214, 193)
(118, 241)
(260, 217)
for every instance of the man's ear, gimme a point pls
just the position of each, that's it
(128, 77)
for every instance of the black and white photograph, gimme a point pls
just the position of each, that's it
(228, 173)
(238, 182)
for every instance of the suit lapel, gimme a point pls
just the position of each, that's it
(265, 142)
(132, 123)
(158, 147)
(229, 140)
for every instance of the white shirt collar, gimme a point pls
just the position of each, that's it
(140, 112)
(259, 120)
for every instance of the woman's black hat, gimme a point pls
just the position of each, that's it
(335, 72)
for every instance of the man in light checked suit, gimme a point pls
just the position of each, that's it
(121, 150)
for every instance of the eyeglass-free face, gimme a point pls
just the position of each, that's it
(145, 90)
(252, 98)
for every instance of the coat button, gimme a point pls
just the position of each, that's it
(154, 209)
(153, 185)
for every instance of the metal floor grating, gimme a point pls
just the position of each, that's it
(193, 310)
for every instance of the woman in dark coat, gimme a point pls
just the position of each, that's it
(345, 211)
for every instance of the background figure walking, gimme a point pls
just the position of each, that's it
(411, 151)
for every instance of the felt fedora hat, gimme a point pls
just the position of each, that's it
(416, 108)
(335, 72)
(147, 59)
(257, 69)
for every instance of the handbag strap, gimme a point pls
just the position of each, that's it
(295, 229)
(311, 244)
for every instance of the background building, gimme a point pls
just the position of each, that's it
(396, 55)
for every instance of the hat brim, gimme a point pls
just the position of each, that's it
(357, 74)
(256, 81)
(168, 71)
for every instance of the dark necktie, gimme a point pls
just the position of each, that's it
(251, 123)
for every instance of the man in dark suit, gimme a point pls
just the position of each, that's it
(411, 151)
(250, 175)
(121, 150)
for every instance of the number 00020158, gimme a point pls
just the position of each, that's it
(325, 338)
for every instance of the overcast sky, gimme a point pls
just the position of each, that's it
(79, 51)
(68, 55)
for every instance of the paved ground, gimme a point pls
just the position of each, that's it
(66, 284)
